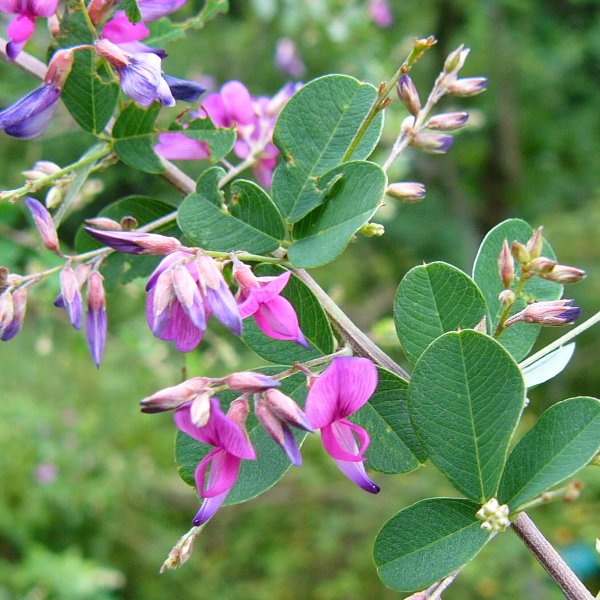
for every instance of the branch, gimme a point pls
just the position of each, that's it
(550, 559)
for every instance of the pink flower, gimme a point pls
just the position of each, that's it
(341, 390)
(21, 28)
(259, 297)
(231, 445)
(381, 13)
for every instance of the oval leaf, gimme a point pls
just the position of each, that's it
(427, 541)
(432, 300)
(256, 476)
(394, 447)
(564, 440)
(519, 338)
(313, 132)
(354, 192)
(466, 396)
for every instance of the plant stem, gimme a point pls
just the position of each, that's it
(550, 559)
(500, 327)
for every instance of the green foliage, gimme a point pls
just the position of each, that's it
(562, 442)
(466, 397)
(313, 132)
(132, 10)
(432, 300)
(519, 338)
(256, 476)
(394, 446)
(311, 317)
(427, 541)
(219, 141)
(134, 135)
(350, 196)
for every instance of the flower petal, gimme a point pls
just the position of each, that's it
(355, 472)
(209, 507)
(121, 30)
(277, 318)
(177, 146)
(238, 102)
(339, 442)
(224, 468)
(224, 307)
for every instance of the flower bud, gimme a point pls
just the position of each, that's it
(7, 311)
(447, 121)
(469, 86)
(136, 242)
(407, 92)
(164, 295)
(435, 143)
(54, 196)
(95, 323)
(506, 266)
(564, 274)
(200, 409)
(535, 243)
(456, 59)
(238, 412)
(494, 516)
(553, 313)
(19, 307)
(249, 382)
(128, 223)
(210, 274)
(372, 230)
(187, 292)
(284, 408)
(482, 325)
(40, 170)
(98, 10)
(43, 222)
(104, 224)
(59, 68)
(175, 396)
(71, 296)
(520, 253)
(408, 192)
(507, 298)
(541, 265)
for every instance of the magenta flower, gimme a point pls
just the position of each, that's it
(95, 320)
(231, 446)
(341, 390)
(182, 294)
(380, 13)
(259, 297)
(21, 28)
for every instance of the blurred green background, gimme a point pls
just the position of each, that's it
(90, 501)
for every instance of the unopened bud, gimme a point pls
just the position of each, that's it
(19, 300)
(200, 409)
(447, 121)
(541, 265)
(238, 412)
(456, 59)
(54, 196)
(175, 396)
(285, 409)
(482, 325)
(535, 243)
(43, 222)
(136, 242)
(128, 223)
(435, 143)
(59, 67)
(98, 10)
(506, 266)
(249, 382)
(553, 313)
(54, 25)
(507, 298)
(372, 230)
(407, 92)
(7, 310)
(70, 294)
(409, 192)
(564, 274)
(469, 86)
(520, 253)
(104, 223)
(40, 170)
(494, 516)
(209, 271)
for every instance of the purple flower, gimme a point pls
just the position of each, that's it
(70, 296)
(155, 9)
(554, 313)
(21, 28)
(43, 222)
(12, 317)
(259, 297)
(287, 59)
(381, 13)
(95, 320)
(183, 292)
(135, 242)
(342, 389)
(231, 446)
(183, 89)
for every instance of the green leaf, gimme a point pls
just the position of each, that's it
(132, 10)
(313, 131)
(120, 267)
(90, 100)
(256, 476)
(466, 396)
(432, 300)
(211, 9)
(134, 135)
(311, 317)
(164, 31)
(562, 442)
(427, 541)
(352, 192)
(250, 222)
(519, 338)
(219, 141)
(394, 446)
(208, 185)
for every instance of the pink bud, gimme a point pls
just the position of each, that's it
(407, 92)
(469, 86)
(506, 266)
(43, 222)
(507, 298)
(552, 314)
(286, 409)
(447, 121)
(238, 412)
(564, 274)
(435, 143)
(104, 224)
(164, 294)
(98, 10)
(210, 274)
(117, 57)
(535, 243)
(175, 396)
(409, 192)
(7, 310)
(249, 382)
(60, 68)
(71, 295)
(19, 306)
(482, 325)
(541, 265)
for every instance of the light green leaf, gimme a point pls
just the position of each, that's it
(311, 317)
(427, 541)
(548, 366)
(134, 135)
(562, 442)
(313, 132)
(163, 31)
(354, 191)
(466, 397)
(219, 141)
(394, 446)
(432, 300)
(519, 338)
(256, 476)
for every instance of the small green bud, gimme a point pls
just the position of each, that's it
(520, 253)
(372, 230)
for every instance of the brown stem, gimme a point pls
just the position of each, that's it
(550, 559)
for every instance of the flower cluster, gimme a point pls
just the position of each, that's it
(340, 391)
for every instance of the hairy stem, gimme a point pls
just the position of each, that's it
(550, 559)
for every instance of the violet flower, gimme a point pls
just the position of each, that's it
(151, 10)
(11, 321)
(135, 242)
(95, 320)
(21, 28)
(341, 390)
(259, 297)
(552, 313)
(43, 222)
(70, 296)
(231, 446)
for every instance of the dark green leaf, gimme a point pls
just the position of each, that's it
(466, 396)
(256, 476)
(164, 31)
(313, 323)
(432, 300)
(219, 141)
(427, 541)
(564, 440)
(394, 446)
(519, 338)
(134, 135)
(208, 185)
(313, 132)
(132, 10)
(354, 191)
